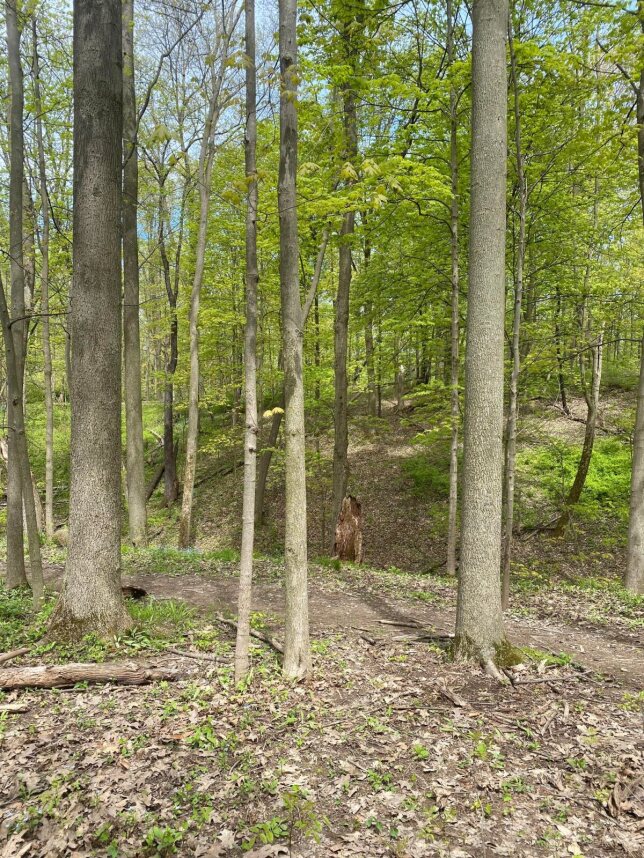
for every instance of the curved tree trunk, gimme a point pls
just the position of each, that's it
(297, 656)
(479, 619)
(91, 599)
(250, 358)
(16, 575)
(589, 440)
(131, 336)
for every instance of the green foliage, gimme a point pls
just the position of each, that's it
(545, 473)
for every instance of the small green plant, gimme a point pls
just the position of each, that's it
(420, 752)
(379, 781)
(164, 840)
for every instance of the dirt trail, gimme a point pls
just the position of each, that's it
(333, 608)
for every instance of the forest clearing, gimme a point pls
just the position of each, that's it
(322, 429)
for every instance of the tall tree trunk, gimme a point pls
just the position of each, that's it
(276, 422)
(91, 599)
(171, 486)
(453, 235)
(131, 336)
(296, 646)
(560, 361)
(479, 618)
(17, 429)
(634, 575)
(204, 175)
(16, 575)
(513, 404)
(250, 357)
(589, 439)
(341, 322)
(44, 299)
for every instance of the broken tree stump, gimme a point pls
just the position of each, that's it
(348, 531)
(61, 675)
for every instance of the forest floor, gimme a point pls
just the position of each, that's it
(389, 749)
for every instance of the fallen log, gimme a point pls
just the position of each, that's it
(61, 675)
(14, 653)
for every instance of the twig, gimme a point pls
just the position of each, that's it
(14, 653)
(400, 625)
(254, 634)
(14, 707)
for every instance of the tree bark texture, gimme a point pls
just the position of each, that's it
(16, 575)
(296, 645)
(513, 404)
(455, 410)
(44, 293)
(479, 619)
(91, 598)
(634, 575)
(17, 429)
(131, 335)
(250, 357)
(63, 675)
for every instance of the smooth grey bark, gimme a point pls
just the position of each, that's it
(135, 470)
(16, 575)
(250, 356)
(634, 574)
(17, 429)
(479, 618)
(91, 598)
(44, 293)
(297, 657)
(455, 410)
(513, 404)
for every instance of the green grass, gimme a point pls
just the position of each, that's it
(156, 624)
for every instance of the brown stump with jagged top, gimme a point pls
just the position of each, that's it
(348, 531)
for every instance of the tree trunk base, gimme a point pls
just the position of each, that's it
(66, 626)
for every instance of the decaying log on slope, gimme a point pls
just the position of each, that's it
(61, 675)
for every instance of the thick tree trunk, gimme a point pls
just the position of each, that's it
(63, 675)
(44, 299)
(296, 647)
(131, 337)
(91, 598)
(455, 410)
(513, 404)
(479, 618)
(17, 429)
(16, 575)
(634, 576)
(250, 357)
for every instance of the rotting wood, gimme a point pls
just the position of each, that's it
(348, 531)
(60, 675)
